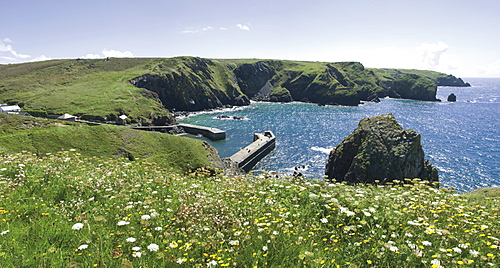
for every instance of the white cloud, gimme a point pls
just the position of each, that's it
(8, 48)
(189, 31)
(243, 27)
(8, 54)
(92, 56)
(41, 58)
(222, 28)
(109, 53)
(432, 53)
(117, 54)
(207, 28)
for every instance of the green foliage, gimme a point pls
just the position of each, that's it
(388, 75)
(46, 136)
(412, 86)
(484, 194)
(280, 93)
(64, 210)
(12, 123)
(100, 88)
(37, 113)
(94, 88)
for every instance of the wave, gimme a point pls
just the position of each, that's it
(320, 149)
(215, 111)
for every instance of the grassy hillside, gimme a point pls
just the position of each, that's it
(100, 88)
(10, 124)
(64, 210)
(39, 136)
(88, 88)
(387, 75)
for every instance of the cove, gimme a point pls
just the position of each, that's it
(462, 139)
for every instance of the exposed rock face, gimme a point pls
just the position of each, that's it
(192, 88)
(452, 97)
(451, 81)
(379, 150)
(413, 87)
(192, 84)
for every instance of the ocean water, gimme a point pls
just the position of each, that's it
(462, 139)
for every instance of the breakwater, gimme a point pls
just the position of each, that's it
(247, 157)
(209, 132)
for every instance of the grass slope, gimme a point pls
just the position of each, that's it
(48, 136)
(11, 123)
(387, 74)
(99, 87)
(80, 87)
(63, 210)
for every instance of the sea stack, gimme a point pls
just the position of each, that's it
(452, 97)
(379, 151)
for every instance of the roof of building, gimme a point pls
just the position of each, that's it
(10, 108)
(66, 116)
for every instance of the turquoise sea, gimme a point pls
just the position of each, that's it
(462, 139)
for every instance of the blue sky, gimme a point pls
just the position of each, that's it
(458, 37)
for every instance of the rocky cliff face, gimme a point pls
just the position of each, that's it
(379, 150)
(412, 86)
(192, 87)
(193, 84)
(451, 81)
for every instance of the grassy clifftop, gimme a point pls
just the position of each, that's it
(103, 89)
(93, 89)
(40, 136)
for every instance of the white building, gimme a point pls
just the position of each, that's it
(10, 109)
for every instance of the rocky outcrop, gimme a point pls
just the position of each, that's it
(451, 81)
(452, 97)
(192, 87)
(415, 87)
(379, 150)
(192, 84)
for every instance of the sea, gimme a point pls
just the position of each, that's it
(461, 139)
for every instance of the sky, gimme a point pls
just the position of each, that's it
(453, 36)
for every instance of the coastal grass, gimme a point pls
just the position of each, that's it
(42, 136)
(388, 74)
(12, 123)
(66, 210)
(80, 87)
(99, 88)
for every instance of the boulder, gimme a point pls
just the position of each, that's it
(379, 150)
(452, 97)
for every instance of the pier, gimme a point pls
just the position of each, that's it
(247, 157)
(209, 132)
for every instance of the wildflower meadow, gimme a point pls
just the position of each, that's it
(65, 210)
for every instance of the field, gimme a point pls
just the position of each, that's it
(66, 210)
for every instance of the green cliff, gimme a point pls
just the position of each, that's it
(148, 90)
(412, 86)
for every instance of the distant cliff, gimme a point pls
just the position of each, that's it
(147, 90)
(204, 84)
(412, 86)
(197, 84)
(387, 76)
(194, 85)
